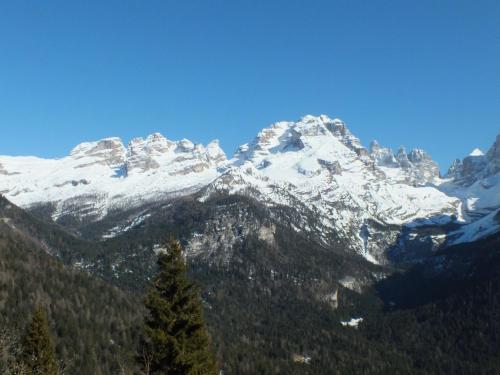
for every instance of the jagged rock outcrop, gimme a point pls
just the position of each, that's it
(107, 152)
(180, 158)
(467, 171)
(476, 181)
(476, 166)
(415, 167)
(383, 156)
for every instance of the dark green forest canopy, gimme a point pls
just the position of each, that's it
(95, 325)
(415, 322)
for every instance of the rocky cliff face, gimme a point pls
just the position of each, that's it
(476, 181)
(494, 157)
(413, 168)
(106, 152)
(383, 156)
(181, 157)
(476, 166)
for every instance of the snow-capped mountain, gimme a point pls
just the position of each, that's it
(105, 175)
(475, 180)
(318, 163)
(476, 166)
(373, 198)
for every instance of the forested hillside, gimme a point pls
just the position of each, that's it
(271, 306)
(94, 324)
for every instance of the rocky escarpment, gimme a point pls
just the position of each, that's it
(106, 152)
(181, 157)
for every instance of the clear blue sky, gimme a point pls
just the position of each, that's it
(420, 73)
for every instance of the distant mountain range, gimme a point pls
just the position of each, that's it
(377, 201)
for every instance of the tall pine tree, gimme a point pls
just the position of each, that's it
(37, 347)
(176, 341)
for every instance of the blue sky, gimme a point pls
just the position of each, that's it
(418, 73)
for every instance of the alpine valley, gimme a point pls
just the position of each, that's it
(315, 254)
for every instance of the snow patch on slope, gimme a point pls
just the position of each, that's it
(479, 229)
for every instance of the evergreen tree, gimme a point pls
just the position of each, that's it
(175, 337)
(38, 349)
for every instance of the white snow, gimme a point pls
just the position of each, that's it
(476, 152)
(113, 232)
(478, 229)
(354, 322)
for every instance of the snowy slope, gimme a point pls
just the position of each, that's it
(475, 180)
(99, 176)
(476, 230)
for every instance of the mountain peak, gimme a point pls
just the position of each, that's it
(308, 132)
(476, 152)
(374, 146)
(107, 151)
(383, 156)
(88, 148)
(476, 165)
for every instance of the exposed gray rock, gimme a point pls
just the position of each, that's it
(333, 167)
(183, 156)
(472, 168)
(425, 169)
(109, 151)
(417, 166)
(494, 157)
(231, 226)
(455, 169)
(402, 158)
(476, 166)
(382, 156)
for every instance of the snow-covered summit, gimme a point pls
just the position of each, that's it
(287, 138)
(318, 162)
(283, 137)
(108, 151)
(476, 152)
